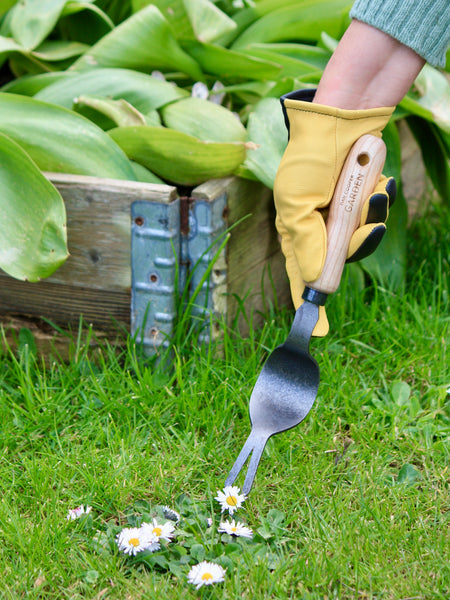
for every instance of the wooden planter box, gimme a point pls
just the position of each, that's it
(133, 249)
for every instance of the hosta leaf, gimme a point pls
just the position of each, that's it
(251, 91)
(204, 120)
(28, 85)
(245, 17)
(266, 128)
(36, 61)
(5, 5)
(120, 112)
(304, 21)
(178, 157)
(207, 20)
(56, 50)
(174, 12)
(33, 223)
(30, 22)
(433, 89)
(83, 21)
(310, 55)
(144, 175)
(291, 67)
(226, 63)
(60, 140)
(143, 91)
(143, 42)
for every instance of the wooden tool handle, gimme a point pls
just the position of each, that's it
(359, 176)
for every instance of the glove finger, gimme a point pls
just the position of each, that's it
(376, 207)
(296, 280)
(365, 240)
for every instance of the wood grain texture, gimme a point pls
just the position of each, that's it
(359, 176)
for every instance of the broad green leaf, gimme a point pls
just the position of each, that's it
(5, 5)
(56, 50)
(60, 140)
(108, 114)
(178, 157)
(290, 67)
(434, 154)
(144, 175)
(143, 91)
(225, 63)
(73, 7)
(245, 17)
(310, 55)
(29, 85)
(266, 129)
(408, 475)
(284, 86)
(174, 12)
(119, 112)
(204, 120)
(83, 21)
(304, 21)
(143, 42)
(207, 20)
(32, 21)
(434, 95)
(33, 224)
(388, 263)
(401, 393)
(117, 10)
(251, 91)
(40, 59)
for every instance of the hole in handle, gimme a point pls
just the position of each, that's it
(363, 159)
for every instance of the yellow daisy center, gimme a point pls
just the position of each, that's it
(134, 542)
(232, 500)
(234, 529)
(207, 576)
(157, 531)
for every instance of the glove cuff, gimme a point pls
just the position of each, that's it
(303, 100)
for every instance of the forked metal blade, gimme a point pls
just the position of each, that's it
(255, 443)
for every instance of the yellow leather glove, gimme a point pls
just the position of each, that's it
(320, 137)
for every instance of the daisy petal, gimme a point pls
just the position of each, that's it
(235, 528)
(230, 499)
(132, 540)
(206, 573)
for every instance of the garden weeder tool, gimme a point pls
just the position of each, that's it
(287, 385)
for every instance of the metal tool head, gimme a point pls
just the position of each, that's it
(284, 392)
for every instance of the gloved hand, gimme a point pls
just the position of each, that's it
(320, 137)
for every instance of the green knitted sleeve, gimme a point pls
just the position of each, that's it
(423, 25)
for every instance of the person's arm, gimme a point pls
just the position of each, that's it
(369, 69)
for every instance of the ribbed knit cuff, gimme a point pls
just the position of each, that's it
(423, 25)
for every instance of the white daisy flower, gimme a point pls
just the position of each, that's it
(132, 540)
(230, 499)
(164, 532)
(76, 513)
(206, 573)
(236, 529)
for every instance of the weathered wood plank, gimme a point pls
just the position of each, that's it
(64, 303)
(98, 219)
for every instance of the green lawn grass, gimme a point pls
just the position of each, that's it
(353, 503)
